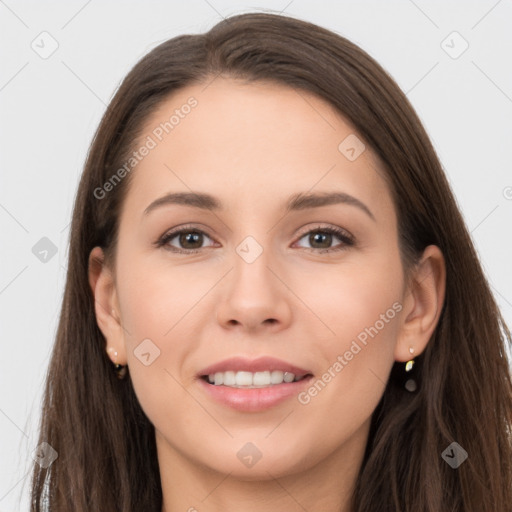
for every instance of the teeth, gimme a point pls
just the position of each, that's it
(251, 380)
(229, 379)
(277, 377)
(288, 377)
(243, 379)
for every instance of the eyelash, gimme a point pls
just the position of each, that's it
(347, 239)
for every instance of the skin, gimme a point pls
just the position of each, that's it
(252, 146)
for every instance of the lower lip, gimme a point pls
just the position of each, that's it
(254, 399)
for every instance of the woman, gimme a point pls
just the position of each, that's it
(363, 371)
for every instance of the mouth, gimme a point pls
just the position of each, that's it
(241, 372)
(253, 380)
(252, 385)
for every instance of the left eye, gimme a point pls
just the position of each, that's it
(325, 236)
(191, 239)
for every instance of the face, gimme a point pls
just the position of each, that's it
(257, 271)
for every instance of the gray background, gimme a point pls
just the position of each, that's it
(51, 106)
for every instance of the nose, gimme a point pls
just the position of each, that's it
(254, 297)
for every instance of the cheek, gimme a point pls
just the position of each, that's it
(156, 309)
(359, 308)
(353, 297)
(156, 297)
(156, 306)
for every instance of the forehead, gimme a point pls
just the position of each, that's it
(250, 142)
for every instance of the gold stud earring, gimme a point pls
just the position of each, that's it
(119, 368)
(410, 384)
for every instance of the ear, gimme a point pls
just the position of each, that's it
(423, 301)
(106, 306)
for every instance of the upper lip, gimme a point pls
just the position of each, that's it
(238, 364)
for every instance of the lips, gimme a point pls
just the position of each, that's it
(242, 364)
(252, 385)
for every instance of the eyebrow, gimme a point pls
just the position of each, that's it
(297, 202)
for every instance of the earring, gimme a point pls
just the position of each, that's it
(410, 384)
(120, 371)
(119, 368)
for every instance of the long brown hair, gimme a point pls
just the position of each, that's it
(107, 458)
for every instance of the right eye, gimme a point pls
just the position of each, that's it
(186, 237)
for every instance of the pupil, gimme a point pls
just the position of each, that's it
(325, 235)
(190, 237)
